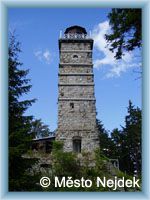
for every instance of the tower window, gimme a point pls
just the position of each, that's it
(71, 105)
(89, 78)
(89, 55)
(75, 56)
(62, 94)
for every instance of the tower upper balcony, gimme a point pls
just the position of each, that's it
(75, 33)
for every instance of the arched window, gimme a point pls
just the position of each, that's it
(76, 144)
(75, 56)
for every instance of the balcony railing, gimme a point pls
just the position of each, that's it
(75, 36)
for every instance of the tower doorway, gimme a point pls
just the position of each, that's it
(77, 144)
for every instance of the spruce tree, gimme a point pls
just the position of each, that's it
(19, 123)
(106, 144)
(128, 142)
(132, 139)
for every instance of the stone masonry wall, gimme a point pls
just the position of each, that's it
(75, 69)
(76, 79)
(76, 57)
(76, 92)
(81, 117)
(76, 99)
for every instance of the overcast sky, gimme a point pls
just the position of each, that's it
(115, 81)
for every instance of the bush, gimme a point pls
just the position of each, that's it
(87, 165)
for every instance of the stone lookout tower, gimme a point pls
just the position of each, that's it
(76, 99)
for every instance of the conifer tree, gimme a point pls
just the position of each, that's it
(106, 145)
(132, 140)
(19, 123)
(126, 30)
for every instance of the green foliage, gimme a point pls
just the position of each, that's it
(117, 138)
(87, 165)
(57, 146)
(64, 163)
(106, 144)
(26, 182)
(19, 124)
(126, 30)
(121, 174)
(132, 139)
(39, 129)
(128, 142)
(125, 144)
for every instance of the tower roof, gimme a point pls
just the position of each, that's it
(76, 29)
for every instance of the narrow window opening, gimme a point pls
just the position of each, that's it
(71, 105)
(89, 55)
(62, 94)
